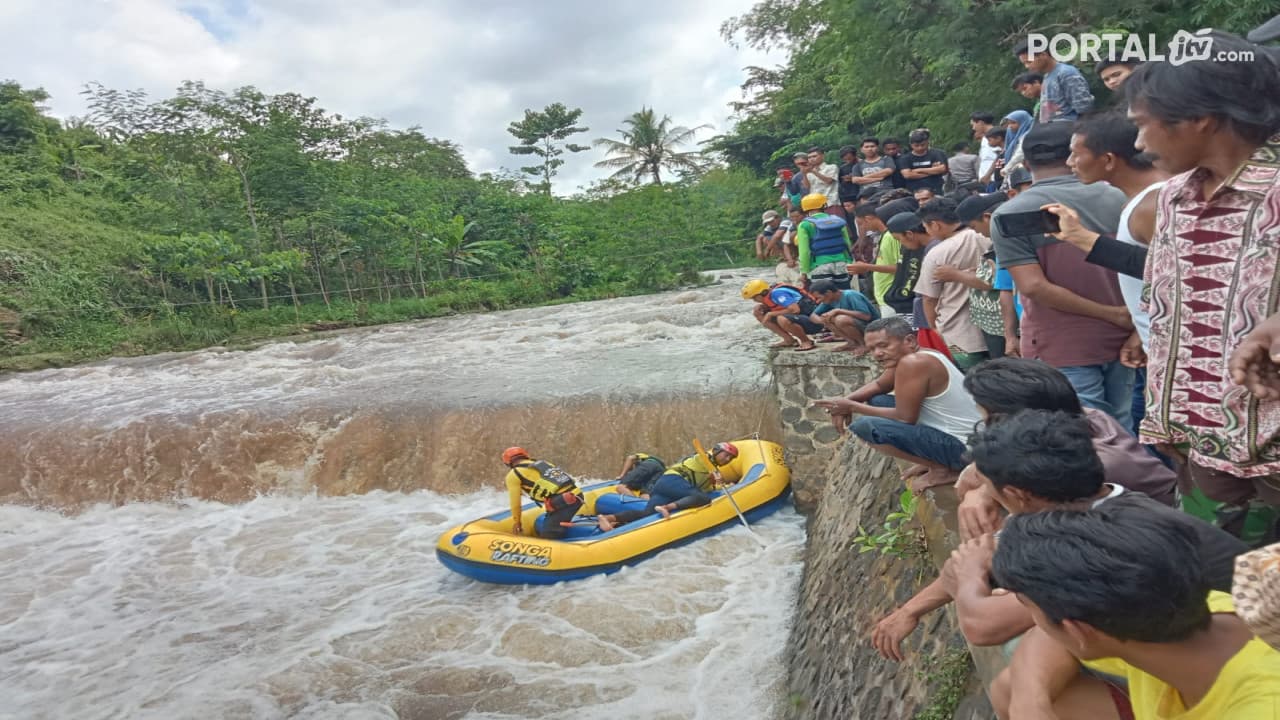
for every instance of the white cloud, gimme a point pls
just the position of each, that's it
(463, 71)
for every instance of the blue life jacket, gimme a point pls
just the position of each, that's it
(827, 236)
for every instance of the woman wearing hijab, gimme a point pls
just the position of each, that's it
(1017, 124)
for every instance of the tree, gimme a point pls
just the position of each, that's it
(648, 145)
(540, 133)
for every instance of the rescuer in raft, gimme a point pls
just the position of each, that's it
(543, 483)
(683, 485)
(639, 472)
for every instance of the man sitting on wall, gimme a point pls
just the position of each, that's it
(917, 410)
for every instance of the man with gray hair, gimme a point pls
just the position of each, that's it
(916, 410)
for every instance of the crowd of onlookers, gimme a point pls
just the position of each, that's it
(1077, 326)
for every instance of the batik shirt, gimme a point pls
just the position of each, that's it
(1211, 278)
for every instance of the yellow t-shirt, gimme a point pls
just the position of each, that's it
(1247, 688)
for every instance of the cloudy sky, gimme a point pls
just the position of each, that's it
(461, 70)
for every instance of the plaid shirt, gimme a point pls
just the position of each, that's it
(1213, 274)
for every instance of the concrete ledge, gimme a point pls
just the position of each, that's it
(834, 672)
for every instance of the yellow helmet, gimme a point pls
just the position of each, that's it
(813, 201)
(754, 288)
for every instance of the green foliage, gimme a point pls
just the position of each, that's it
(223, 217)
(543, 134)
(948, 678)
(885, 67)
(648, 145)
(897, 535)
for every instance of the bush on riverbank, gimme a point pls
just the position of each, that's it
(213, 218)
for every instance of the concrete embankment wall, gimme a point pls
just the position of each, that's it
(840, 484)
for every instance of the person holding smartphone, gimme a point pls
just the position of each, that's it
(1074, 317)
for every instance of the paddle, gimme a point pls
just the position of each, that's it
(706, 460)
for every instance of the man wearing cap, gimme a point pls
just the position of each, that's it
(912, 239)
(923, 167)
(1074, 317)
(946, 302)
(768, 243)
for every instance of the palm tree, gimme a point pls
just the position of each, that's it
(647, 146)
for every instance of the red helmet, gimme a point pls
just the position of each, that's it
(725, 447)
(513, 454)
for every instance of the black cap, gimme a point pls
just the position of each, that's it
(972, 208)
(1019, 176)
(1047, 142)
(888, 210)
(822, 287)
(1266, 32)
(904, 222)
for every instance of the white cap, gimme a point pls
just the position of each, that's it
(769, 215)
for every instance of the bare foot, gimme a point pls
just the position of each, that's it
(933, 478)
(914, 471)
(803, 348)
(605, 522)
(664, 511)
(784, 344)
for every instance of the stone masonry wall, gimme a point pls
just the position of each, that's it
(834, 672)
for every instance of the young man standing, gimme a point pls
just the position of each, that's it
(983, 123)
(1065, 93)
(963, 166)
(913, 242)
(824, 180)
(985, 306)
(845, 313)
(1123, 590)
(1074, 317)
(917, 410)
(946, 303)
(1030, 85)
(923, 167)
(1113, 72)
(892, 149)
(849, 190)
(991, 175)
(797, 186)
(1214, 262)
(870, 221)
(873, 172)
(1102, 150)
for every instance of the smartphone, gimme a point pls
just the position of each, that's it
(1036, 222)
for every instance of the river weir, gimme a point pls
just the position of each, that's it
(251, 534)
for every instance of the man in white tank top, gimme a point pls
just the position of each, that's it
(916, 410)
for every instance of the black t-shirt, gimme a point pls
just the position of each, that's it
(901, 293)
(911, 161)
(848, 190)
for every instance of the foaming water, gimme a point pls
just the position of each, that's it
(335, 607)
(409, 406)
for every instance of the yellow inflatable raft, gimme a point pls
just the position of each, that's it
(485, 549)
